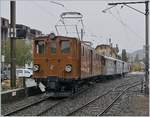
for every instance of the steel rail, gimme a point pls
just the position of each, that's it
(26, 106)
(42, 113)
(62, 101)
(98, 97)
(110, 105)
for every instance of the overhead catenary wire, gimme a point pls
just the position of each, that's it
(44, 10)
(126, 26)
(121, 21)
(60, 4)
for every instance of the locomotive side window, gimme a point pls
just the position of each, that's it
(65, 46)
(53, 47)
(40, 47)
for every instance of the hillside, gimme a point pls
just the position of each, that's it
(140, 53)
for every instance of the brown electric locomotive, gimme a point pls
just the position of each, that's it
(62, 63)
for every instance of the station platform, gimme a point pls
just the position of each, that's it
(13, 95)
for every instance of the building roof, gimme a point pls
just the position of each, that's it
(102, 45)
(106, 45)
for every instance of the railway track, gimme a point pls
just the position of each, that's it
(25, 107)
(71, 97)
(32, 107)
(66, 108)
(55, 104)
(41, 113)
(112, 103)
(46, 98)
(104, 110)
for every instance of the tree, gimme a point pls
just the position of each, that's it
(124, 55)
(136, 58)
(119, 57)
(143, 60)
(23, 52)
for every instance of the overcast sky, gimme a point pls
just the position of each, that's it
(123, 25)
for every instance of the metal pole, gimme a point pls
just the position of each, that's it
(146, 47)
(13, 42)
(146, 86)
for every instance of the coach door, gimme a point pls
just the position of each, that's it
(123, 67)
(115, 69)
(91, 61)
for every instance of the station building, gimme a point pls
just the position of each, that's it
(25, 32)
(107, 50)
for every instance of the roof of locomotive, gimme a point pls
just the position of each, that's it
(113, 59)
(48, 37)
(64, 37)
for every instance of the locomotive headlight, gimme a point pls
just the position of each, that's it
(68, 68)
(36, 68)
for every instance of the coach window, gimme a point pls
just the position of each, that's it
(65, 47)
(40, 47)
(53, 47)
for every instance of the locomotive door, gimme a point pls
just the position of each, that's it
(65, 56)
(59, 50)
(91, 61)
(115, 69)
(62, 56)
(53, 60)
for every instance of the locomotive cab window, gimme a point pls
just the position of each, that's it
(53, 47)
(40, 47)
(65, 47)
